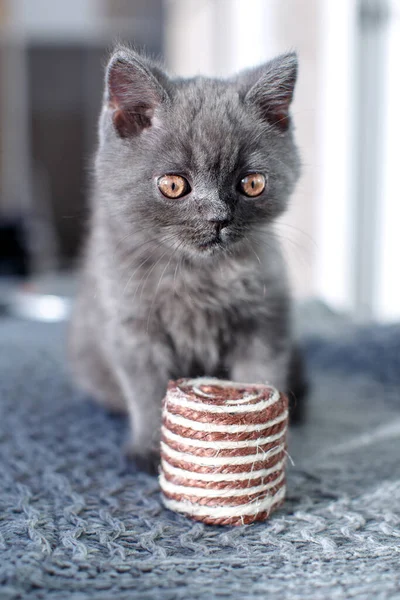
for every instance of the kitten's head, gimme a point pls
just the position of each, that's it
(198, 165)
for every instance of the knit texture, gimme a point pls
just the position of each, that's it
(77, 521)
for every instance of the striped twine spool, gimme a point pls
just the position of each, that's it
(223, 450)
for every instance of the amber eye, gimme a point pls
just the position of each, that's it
(173, 186)
(252, 185)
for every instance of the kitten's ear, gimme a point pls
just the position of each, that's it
(133, 91)
(270, 87)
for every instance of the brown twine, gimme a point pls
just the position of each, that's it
(227, 418)
(246, 468)
(221, 485)
(235, 521)
(223, 500)
(216, 436)
(215, 451)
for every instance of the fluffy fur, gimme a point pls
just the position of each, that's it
(192, 286)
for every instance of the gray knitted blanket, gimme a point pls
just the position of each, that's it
(77, 521)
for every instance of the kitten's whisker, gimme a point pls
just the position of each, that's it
(159, 245)
(188, 264)
(159, 282)
(175, 272)
(133, 251)
(149, 273)
(275, 233)
(134, 233)
(265, 242)
(301, 253)
(255, 253)
(138, 267)
(306, 235)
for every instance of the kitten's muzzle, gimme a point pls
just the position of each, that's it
(220, 224)
(212, 236)
(211, 243)
(215, 238)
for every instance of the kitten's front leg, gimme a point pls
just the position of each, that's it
(254, 361)
(143, 384)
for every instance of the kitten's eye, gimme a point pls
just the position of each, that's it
(173, 186)
(252, 185)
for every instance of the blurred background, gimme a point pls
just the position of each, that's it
(340, 235)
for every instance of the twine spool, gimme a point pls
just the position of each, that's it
(223, 450)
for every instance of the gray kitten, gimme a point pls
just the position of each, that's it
(182, 274)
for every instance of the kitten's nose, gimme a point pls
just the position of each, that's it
(220, 223)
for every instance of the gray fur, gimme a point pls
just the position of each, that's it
(152, 305)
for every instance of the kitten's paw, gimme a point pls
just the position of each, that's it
(298, 388)
(146, 461)
(297, 406)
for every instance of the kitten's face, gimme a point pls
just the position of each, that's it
(196, 165)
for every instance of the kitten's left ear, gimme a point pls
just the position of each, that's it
(133, 91)
(270, 87)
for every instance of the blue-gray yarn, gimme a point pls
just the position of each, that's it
(374, 350)
(77, 522)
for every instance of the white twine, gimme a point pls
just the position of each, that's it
(221, 444)
(221, 428)
(226, 512)
(216, 461)
(177, 398)
(221, 477)
(174, 488)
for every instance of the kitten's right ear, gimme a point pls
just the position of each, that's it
(132, 92)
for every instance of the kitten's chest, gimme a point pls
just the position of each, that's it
(202, 320)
